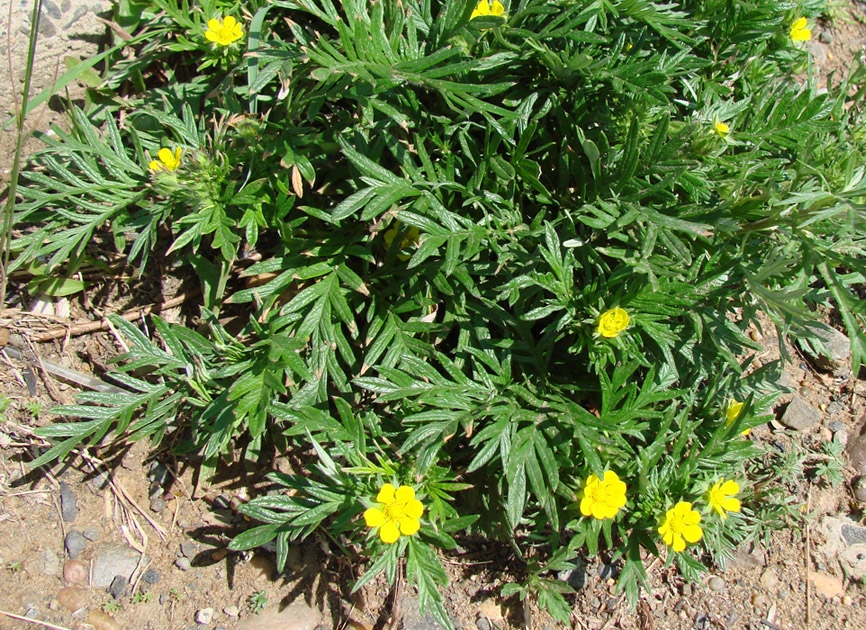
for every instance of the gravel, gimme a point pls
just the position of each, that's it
(150, 576)
(75, 543)
(68, 504)
(183, 564)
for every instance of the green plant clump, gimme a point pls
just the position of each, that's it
(479, 269)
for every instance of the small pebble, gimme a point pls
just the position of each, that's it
(157, 505)
(759, 602)
(163, 598)
(50, 563)
(687, 590)
(482, 624)
(75, 572)
(183, 564)
(847, 600)
(68, 504)
(75, 543)
(204, 616)
(91, 533)
(222, 502)
(231, 611)
(158, 473)
(118, 586)
(188, 549)
(150, 576)
(860, 489)
(716, 583)
(99, 481)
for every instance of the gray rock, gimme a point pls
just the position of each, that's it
(68, 504)
(800, 415)
(150, 576)
(222, 502)
(49, 563)
(413, 619)
(817, 50)
(836, 344)
(101, 479)
(826, 37)
(482, 624)
(51, 9)
(118, 586)
(158, 473)
(113, 559)
(716, 583)
(75, 543)
(853, 535)
(860, 489)
(856, 447)
(183, 564)
(46, 28)
(296, 616)
(79, 13)
(188, 548)
(157, 505)
(204, 616)
(836, 426)
(65, 5)
(91, 533)
(163, 598)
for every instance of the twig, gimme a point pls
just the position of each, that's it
(808, 562)
(103, 324)
(84, 380)
(12, 367)
(397, 602)
(38, 622)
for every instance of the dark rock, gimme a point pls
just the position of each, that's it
(150, 576)
(68, 504)
(860, 489)
(800, 415)
(118, 586)
(222, 502)
(75, 543)
(853, 535)
(158, 473)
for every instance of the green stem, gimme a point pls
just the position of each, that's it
(20, 113)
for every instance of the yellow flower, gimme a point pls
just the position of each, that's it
(733, 413)
(603, 499)
(167, 161)
(224, 32)
(413, 236)
(681, 526)
(721, 497)
(721, 128)
(799, 32)
(612, 322)
(398, 514)
(485, 7)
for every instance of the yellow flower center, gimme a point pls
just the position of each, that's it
(393, 511)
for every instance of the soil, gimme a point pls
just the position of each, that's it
(764, 586)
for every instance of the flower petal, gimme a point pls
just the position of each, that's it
(586, 506)
(389, 532)
(155, 166)
(731, 504)
(213, 24)
(496, 8)
(404, 494)
(374, 517)
(414, 509)
(730, 487)
(409, 526)
(229, 22)
(165, 156)
(386, 494)
(692, 533)
(800, 23)
(678, 543)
